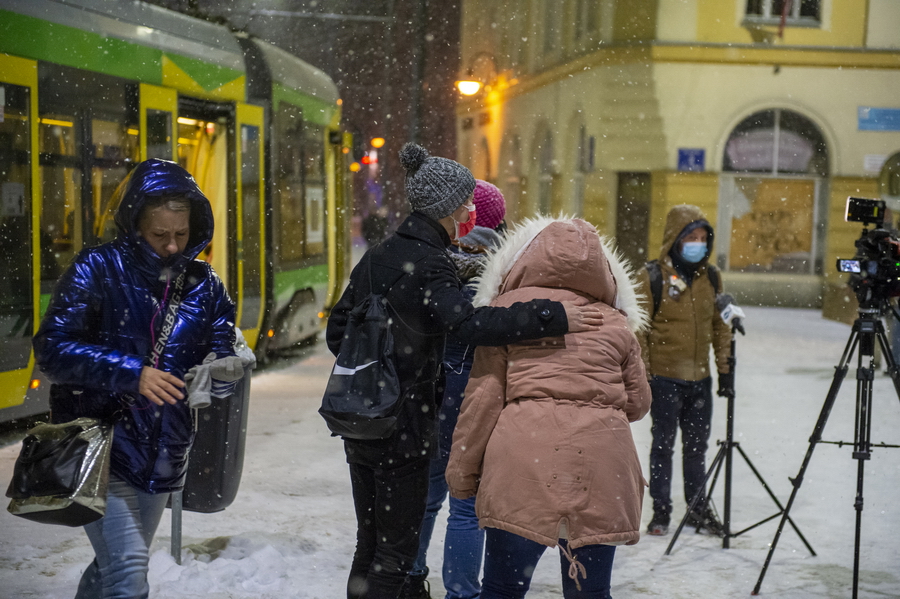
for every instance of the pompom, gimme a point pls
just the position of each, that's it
(412, 156)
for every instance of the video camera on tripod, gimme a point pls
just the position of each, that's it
(875, 269)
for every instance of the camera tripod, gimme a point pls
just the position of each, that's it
(866, 329)
(724, 456)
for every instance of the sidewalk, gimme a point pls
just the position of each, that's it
(290, 532)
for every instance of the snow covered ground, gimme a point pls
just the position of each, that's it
(290, 532)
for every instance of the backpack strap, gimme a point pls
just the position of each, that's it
(656, 283)
(713, 272)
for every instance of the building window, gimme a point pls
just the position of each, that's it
(551, 28)
(776, 141)
(799, 13)
(587, 19)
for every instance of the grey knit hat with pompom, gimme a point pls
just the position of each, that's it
(435, 186)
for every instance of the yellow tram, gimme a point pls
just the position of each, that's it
(88, 88)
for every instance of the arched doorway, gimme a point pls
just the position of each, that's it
(772, 197)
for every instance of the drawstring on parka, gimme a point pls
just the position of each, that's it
(575, 567)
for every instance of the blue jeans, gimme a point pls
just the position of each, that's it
(510, 560)
(121, 541)
(687, 404)
(463, 542)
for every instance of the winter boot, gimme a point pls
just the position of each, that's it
(416, 587)
(659, 525)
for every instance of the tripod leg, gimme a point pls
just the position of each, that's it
(714, 467)
(774, 498)
(840, 371)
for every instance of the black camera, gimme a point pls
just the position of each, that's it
(875, 269)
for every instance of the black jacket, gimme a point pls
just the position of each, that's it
(413, 269)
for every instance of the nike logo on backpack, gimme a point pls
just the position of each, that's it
(350, 371)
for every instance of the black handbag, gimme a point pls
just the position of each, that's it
(62, 473)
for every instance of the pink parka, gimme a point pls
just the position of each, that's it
(543, 433)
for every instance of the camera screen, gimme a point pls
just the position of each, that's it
(848, 266)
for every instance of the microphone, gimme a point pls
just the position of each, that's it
(730, 312)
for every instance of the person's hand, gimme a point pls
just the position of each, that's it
(726, 384)
(583, 318)
(160, 387)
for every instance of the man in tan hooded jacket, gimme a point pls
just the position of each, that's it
(675, 350)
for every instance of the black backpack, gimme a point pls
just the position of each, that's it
(656, 282)
(363, 396)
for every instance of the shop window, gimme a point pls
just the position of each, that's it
(772, 196)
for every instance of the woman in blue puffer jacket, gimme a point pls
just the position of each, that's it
(109, 311)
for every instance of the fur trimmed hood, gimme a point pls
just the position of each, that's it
(558, 253)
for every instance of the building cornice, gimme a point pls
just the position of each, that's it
(673, 52)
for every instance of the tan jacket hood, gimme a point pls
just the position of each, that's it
(562, 253)
(678, 218)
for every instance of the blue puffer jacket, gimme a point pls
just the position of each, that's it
(96, 337)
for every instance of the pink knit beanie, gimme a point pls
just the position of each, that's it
(489, 205)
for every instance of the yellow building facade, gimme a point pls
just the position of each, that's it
(616, 110)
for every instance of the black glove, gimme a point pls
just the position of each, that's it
(726, 384)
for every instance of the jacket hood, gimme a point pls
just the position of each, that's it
(557, 253)
(155, 178)
(678, 220)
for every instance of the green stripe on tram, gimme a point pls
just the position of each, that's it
(34, 38)
(314, 110)
(39, 40)
(292, 280)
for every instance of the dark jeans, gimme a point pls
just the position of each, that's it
(685, 404)
(390, 504)
(510, 560)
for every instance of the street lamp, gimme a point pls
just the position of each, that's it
(475, 78)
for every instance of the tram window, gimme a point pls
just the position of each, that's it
(61, 219)
(314, 174)
(288, 186)
(159, 138)
(16, 322)
(251, 240)
(115, 146)
(88, 140)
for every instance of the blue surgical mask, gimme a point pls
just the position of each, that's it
(693, 251)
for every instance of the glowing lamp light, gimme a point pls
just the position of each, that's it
(270, 333)
(377, 142)
(354, 167)
(468, 87)
(34, 384)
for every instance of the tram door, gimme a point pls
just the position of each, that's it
(251, 220)
(18, 267)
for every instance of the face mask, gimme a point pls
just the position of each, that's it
(463, 229)
(693, 251)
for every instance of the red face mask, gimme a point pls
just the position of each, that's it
(463, 229)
